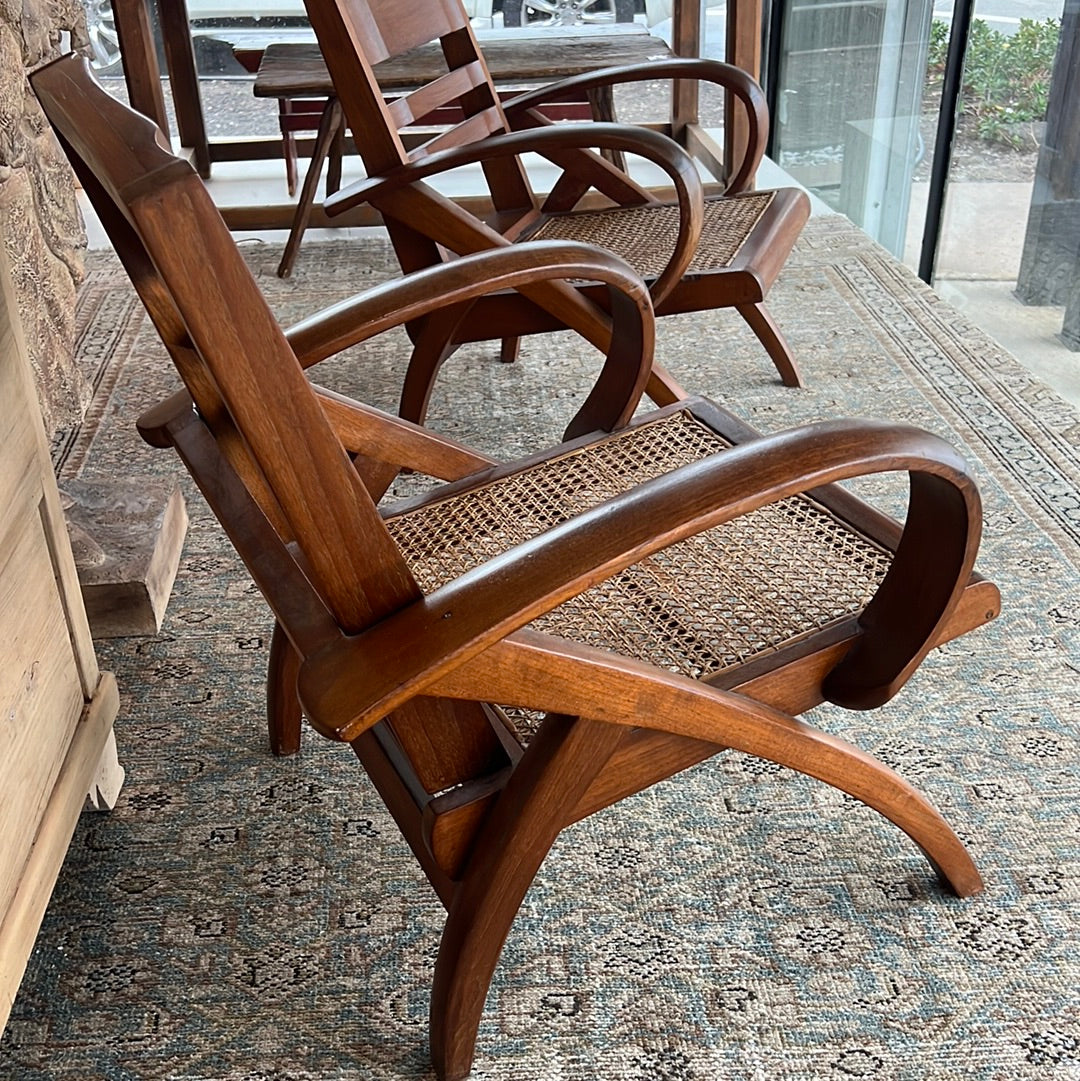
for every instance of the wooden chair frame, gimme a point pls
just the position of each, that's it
(426, 225)
(293, 472)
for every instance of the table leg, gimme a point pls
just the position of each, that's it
(329, 125)
(602, 106)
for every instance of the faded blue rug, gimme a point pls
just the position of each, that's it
(242, 918)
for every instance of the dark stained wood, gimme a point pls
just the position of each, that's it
(561, 762)
(686, 41)
(296, 68)
(283, 713)
(743, 49)
(329, 133)
(293, 473)
(296, 75)
(184, 82)
(427, 228)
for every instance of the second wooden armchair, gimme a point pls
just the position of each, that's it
(696, 252)
(532, 640)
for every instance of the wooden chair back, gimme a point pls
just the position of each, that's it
(295, 507)
(229, 349)
(355, 37)
(358, 36)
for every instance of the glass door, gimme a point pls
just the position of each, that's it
(846, 90)
(1008, 249)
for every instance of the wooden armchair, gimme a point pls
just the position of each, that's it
(696, 252)
(532, 640)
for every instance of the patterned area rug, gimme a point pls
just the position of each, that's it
(242, 918)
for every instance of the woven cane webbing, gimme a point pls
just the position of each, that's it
(697, 607)
(645, 235)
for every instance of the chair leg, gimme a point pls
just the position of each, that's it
(662, 387)
(288, 144)
(509, 349)
(434, 344)
(872, 782)
(328, 125)
(559, 765)
(602, 106)
(762, 324)
(282, 706)
(333, 166)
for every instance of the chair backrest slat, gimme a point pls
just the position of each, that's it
(234, 352)
(355, 36)
(473, 127)
(446, 89)
(392, 27)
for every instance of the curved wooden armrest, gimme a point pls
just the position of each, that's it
(153, 424)
(657, 148)
(741, 84)
(626, 368)
(352, 684)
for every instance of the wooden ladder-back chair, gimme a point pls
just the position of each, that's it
(653, 593)
(696, 252)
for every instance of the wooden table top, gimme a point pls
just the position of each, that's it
(297, 69)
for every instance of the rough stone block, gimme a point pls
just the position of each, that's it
(127, 537)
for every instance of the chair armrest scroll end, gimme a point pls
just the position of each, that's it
(154, 425)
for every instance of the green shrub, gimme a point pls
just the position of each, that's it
(1006, 77)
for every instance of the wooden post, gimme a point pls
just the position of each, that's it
(685, 41)
(743, 49)
(1050, 265)
(184, 82)
(141, 70)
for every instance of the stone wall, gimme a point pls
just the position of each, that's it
(41, 227)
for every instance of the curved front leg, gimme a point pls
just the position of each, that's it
(554, 773)
(768, 333)
(433, 345)
(521, 671)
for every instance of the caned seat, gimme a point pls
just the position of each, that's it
(645, 236)
(648, 593)
(700, 607)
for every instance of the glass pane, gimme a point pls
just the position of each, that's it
(850, 84)
(1009, 253)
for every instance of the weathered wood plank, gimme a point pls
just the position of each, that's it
(291, 69)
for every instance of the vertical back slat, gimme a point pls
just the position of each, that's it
(395, 26)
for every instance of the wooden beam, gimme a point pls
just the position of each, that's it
(685, 41)
(184, 82)
(141, 71)
(707, 150)
(743, 49)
